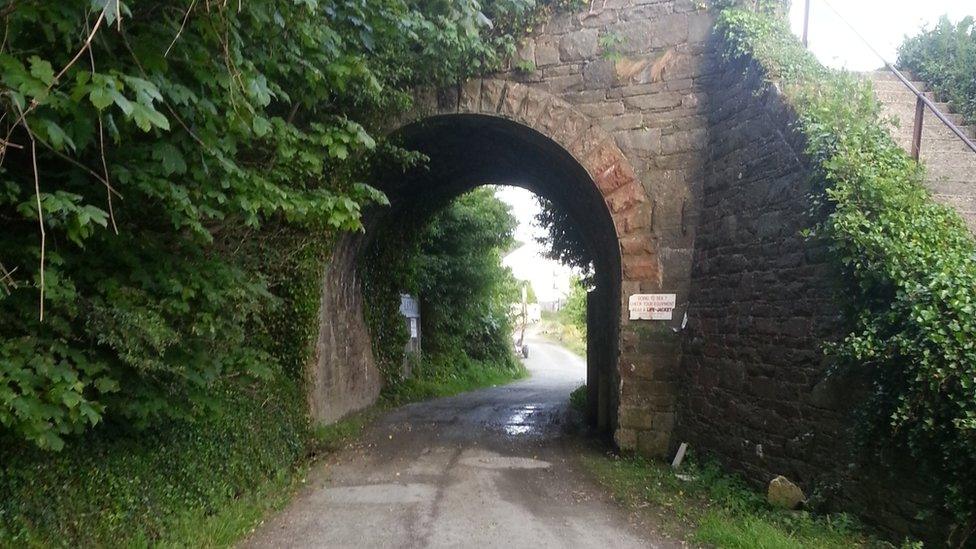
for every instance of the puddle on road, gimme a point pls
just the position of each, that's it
(525, 420)
(516, 430)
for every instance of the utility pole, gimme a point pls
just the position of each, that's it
(806, 23)
(525, 313)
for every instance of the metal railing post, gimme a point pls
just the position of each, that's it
(917, 130)
(921, 102)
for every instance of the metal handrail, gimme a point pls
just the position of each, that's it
(921, 102)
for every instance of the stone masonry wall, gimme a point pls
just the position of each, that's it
(707, 188)
(634, 119)
(341, 376)
(754, 387)
(647, 93)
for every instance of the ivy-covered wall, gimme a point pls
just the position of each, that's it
(756, 393)
(173, 175)
(831, 332)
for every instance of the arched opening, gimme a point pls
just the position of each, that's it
(466, 151)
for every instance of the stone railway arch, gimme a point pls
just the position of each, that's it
(686, 176)
(616, 144)
(490, 131)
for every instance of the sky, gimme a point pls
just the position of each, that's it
(883, 23)
(549, 278)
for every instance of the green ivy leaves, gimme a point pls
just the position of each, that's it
(195, 129)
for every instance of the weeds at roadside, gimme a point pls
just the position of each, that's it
(709, 507)
(558, 329)
(440, 376)
(577, 399)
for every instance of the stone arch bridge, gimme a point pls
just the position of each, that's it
(685, 178)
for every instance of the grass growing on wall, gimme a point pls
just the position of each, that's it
(909, 264)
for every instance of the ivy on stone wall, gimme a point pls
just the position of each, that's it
(909, 263)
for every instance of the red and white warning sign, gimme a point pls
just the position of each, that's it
(651, 306)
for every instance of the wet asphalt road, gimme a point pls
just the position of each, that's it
(496, 467)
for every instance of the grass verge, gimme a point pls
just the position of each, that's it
(160, 486)
(194, 484)
(239, 516)
(708, 507)
(560, 329)
(449, 374)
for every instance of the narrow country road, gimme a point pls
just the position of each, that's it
(489, 468)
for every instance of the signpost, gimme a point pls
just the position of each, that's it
(652, 306)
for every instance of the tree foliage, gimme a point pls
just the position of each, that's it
(452, 262)
(563, 241)
(162, 160)
(575, 307)
(909, 263)
(945, 57)
(464, 289)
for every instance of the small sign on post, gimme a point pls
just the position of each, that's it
(652, 306)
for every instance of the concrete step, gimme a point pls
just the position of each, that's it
(930, 128)
(907, 113)
(941, 170)
(884, 75)
(932, 145)
(933, 129)
(909, 106)
(939, 147)
(964, 158)
(931, 141)
(900, 96)
(950, 166)
(949, 187)
(966, 205)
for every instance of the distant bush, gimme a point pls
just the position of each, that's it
(574, 310)
(945, 57)
(452, 262)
